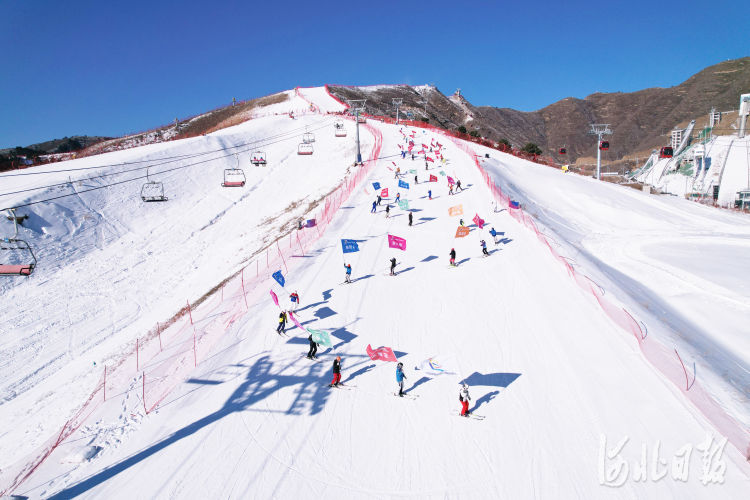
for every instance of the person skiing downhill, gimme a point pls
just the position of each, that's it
(398, 197)
(493, 233)
(348, 277)
(372, 210)
(484, 248)
(336, 372)
(453, 256)
(313, 348)
(282, 323)
(393, 266)
(400, 377)
(464, 397)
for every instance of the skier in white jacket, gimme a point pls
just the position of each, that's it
(464, 398)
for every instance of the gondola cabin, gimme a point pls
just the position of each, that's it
(604, 145)
(666, 152)
(563, 151)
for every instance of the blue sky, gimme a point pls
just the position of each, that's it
(109, 68)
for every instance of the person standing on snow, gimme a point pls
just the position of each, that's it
(398, 171)
(411, 217)
(393, 266)
(415, 180)
(398, 197)
(484, 248)
(400, 377)
(348, 277)
(458, 185)
(294, 297)
(464, 397)
(374, 203)
(282, 323)
(336, 372)
(387, 210)
(450, 189)
(313, 348)
(461, 222)
(429, 194)
(493, 233)
(380, 198)
(453, 256)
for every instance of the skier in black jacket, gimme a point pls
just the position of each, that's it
(453, 256)
(336, 372)
(313, 348)
(411, 218)
(393, 266)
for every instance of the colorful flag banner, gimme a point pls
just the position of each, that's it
(274, 297)
(457, 210)
(438, 365)
(514, 204)
(321, 337)
(403, 185)
(442, 173)
(384, 193)
(412, 171)
(462, 231)
(349, 246)
(376, 185)
(450, 180)
(279, 277)
(310, 223)
(381, 353)
(396, 242)
(403, 204)
(294, 320)
(433, 178)
(429, 159)
(425, 146)
(478, 221)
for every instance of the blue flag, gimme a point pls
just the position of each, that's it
(349, 246)
(279, 277)
(310, 223)
(403, 184)
(376, 185)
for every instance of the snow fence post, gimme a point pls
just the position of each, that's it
(158, 332)
(300, 245)
(242, 277)
(195, 355)
(143, 393)
(190, 312)
(282, 257)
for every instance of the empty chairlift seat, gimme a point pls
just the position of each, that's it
(16, 258)
(153, 191)
(233, 177)
(258, 158)
(305, 149)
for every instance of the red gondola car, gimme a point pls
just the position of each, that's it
(604, 145)
(563, 151)
(666, 152)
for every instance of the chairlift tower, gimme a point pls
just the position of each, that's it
(397, 103)
(358, 106)
(599, 130)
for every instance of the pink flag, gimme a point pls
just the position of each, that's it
(425, 146)
(381, 353)
(429, 159)
(396, 242)
(394, 163)
(291, 315)
(384, 193)
(450, 180)
(478, 221)
(274, 297)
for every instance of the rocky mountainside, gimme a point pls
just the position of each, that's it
(640, 120)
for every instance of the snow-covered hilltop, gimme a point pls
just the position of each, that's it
(207, 400)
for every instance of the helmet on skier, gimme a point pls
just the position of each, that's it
(400, 365)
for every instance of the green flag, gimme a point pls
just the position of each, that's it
(320, 337)
(442, 173)
(412, 171)
(403, 204)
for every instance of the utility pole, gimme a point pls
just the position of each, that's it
(397, 103)
(358, 106)
(599, 130)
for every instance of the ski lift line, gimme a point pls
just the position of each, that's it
(251, 147)
(170, 158)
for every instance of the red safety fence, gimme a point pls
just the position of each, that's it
(164, 357)
(667, 361)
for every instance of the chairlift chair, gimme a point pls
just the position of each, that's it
(361, 119)
(16, 256)
(666, 152)
(308, 137)
(305, 149)
(233, 177)
(152, 190)
(563, 151)
(258, 158)
(604, 145)
(339, 127)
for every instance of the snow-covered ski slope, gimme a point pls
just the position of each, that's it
(553, 376)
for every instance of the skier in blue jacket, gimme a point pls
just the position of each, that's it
(400, 377)
(348, 278)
